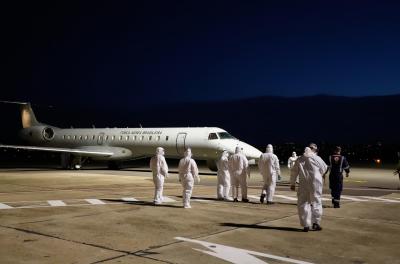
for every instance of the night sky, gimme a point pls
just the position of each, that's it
(145, 52)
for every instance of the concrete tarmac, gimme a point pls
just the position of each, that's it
(102, 216)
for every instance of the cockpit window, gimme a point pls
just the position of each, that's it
(225, 135)
(212, 136)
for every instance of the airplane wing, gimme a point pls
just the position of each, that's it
(83, 152)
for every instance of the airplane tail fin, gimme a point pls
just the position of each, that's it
(28, 117)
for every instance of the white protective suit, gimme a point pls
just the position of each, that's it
(291, 162)
(187, 172)
(310, 168)
(239, 170)
(224, 177)
(159, 167)
(269, 169)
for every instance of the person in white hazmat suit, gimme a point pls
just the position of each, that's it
(188, 170)
(309, 168)
(268, 165)
(159, 167)
(224, 177)
(239, 170)
(291, 162)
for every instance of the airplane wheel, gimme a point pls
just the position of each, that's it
(114, 165)
(212, 165)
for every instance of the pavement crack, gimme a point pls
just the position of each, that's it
(365, 220)
(63, 239)
(140, 253)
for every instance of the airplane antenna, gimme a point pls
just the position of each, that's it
(140, 125)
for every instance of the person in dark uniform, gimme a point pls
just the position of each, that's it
(337, 164)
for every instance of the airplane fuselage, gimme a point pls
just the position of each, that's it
(118, 144)
(206, 143)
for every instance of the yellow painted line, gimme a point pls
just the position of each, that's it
(357, 181)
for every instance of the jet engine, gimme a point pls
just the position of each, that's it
(48, 133)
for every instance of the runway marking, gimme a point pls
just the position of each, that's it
(166, 199)
(56, 203)
(353, 198)
(123, 200)
(357, 181)
(237, 255)
(286, 197)
(4, 206)
(95, 201)
(254, 197)
(381, 199)
(201, 200)
(129, 199)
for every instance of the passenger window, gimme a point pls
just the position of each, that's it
(141, 138)
(150, 137)
(127, 138)
(64, 137)
(69, 137)
(158, 138)
(166, 138)
(86, 137)
(212, 136)
(113, 138)
(106, 137)
(120, 137)
(80, 137)
(134, 138)
(74, 137)
(93, 137)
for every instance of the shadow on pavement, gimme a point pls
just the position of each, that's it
(281, 228)
(142, 203)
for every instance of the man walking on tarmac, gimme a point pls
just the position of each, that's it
(337, 163)
(159, 167)
(239, 171)
(270, 170)
(309, 168)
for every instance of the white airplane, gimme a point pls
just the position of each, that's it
(118, 144)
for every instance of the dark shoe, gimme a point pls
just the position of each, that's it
(336, 205)
(262, 197)
(306, 229)
(245, 200)
(235, 200)
(316, 227)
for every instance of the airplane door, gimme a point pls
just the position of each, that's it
(100, 139)
(180, 143)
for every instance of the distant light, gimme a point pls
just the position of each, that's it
(378, 161)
